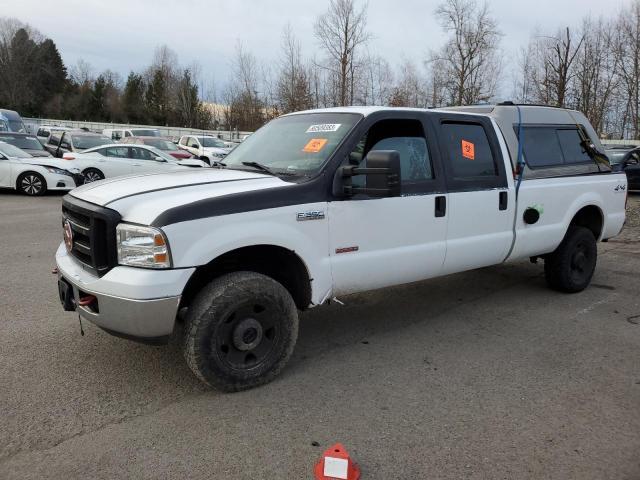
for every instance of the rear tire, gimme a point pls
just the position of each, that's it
(92, 175)
(240, 331)
(570, 267)
(32, 184)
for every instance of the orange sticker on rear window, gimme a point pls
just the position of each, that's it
(315, 145)
(468, 150)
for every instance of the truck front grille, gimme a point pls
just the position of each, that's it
(93, 229)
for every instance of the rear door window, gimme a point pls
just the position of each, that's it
(117, 152)
(470, 154)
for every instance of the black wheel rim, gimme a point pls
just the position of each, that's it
(31, 184)
(580, 262)
(92, 177)
(248, 335)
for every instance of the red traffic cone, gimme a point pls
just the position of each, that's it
(336, 464)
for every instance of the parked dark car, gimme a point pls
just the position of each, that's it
(24, 141)
(161, 143)
(627, 161)
(75, 141)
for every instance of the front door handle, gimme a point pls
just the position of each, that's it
(503, 200)
(441, 206)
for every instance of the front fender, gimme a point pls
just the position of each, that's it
(198, 242)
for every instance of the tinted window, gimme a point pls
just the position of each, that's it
(11, 151)
(552, 146)
(143, 132)
(541, 147)
(119, 152)
(159, 143)
(54, 139)
(88, 141)
(469, 151)
(141, 154)
(571, 148)
(43, 133)
(29, 143)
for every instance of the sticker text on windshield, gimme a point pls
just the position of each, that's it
(325, 127)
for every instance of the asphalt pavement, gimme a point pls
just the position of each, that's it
(485, 374)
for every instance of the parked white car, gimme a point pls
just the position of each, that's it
(34, 176)
(119, 159)
(207, 148)
(119, 133)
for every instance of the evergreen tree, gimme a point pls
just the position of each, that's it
(133, 103)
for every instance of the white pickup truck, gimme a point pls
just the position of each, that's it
(324, 203)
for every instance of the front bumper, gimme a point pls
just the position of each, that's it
(62, 182)
(140, 304)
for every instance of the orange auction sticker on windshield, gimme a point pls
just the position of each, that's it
(468, 150)
(315, 145)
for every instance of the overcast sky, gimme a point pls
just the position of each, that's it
(121, 34)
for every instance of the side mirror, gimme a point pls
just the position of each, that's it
(194, 145)
(159, 159)
(382, 173)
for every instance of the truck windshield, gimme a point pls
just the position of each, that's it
(210, 142)
(17, 126)
(89, 141)
(143, 132)
(11, 151)
(295, 144)
(29, 143)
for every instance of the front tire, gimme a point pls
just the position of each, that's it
(570, 267)
(240, 331)
(32, 184)
(92, 175)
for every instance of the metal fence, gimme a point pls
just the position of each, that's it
(33, 124)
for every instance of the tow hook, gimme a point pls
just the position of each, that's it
(86, 300)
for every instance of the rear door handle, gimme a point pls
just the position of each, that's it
(441, 206)
(503, 200)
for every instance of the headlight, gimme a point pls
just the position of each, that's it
(142, 247)
(218, 155)
(58, 171)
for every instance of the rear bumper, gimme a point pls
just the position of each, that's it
(133, 303)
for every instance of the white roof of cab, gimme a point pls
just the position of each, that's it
(372, 109)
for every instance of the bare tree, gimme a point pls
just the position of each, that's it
(470, 54)
(293, 86)
(596, 71)
(553, 68)
(341, 32)
(376, 81)
(628, 45)
(245, 110)
(409, 90)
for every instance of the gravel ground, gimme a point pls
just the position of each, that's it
(485, 374)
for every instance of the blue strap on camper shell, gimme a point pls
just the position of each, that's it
(519, 160)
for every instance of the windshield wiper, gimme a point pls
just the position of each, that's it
(261, 167)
